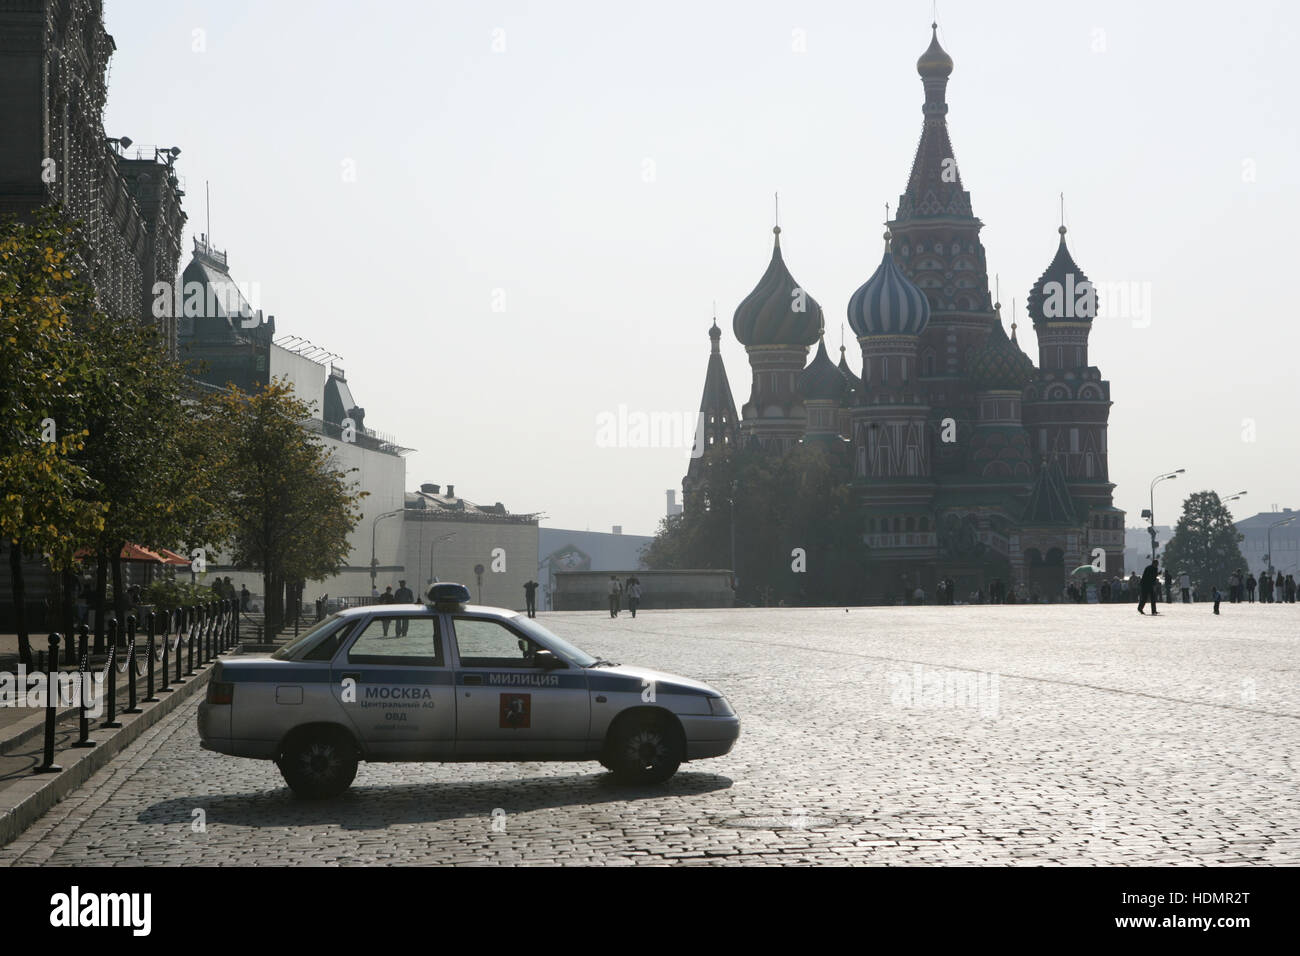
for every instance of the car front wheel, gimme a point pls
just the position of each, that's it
(645, 750)
(319, 764)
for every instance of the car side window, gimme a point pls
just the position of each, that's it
(399, 639)
(329, 646)
(486, 643)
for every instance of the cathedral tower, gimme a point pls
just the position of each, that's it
(776, 323)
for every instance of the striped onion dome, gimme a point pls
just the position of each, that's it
(779, 311)
(821, 380)
(888, 303)
(999, 363)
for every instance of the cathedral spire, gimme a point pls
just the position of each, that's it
(934, 188)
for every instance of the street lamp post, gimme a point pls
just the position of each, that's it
(1276, 524)
(1151, 514)
(432, 545)
(373, 563)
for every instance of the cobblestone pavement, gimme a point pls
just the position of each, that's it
(975, 735)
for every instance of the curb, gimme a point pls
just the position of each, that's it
(26, 801)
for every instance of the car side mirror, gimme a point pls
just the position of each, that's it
(548, 661)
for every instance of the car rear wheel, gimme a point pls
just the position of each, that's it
(644, 750)
(319, 764)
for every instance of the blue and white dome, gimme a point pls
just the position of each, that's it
(888, 303)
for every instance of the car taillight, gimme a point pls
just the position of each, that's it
(220, 692)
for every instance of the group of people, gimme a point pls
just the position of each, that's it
(403, 595)
(1273, 589)
(618, 589)
(227, 591)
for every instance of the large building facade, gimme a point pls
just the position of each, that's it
(54, 57)
(969, 461)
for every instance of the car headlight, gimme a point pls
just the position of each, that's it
(718, 707)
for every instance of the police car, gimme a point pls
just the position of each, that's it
(447, 681)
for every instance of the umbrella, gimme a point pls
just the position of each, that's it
(1085, 569)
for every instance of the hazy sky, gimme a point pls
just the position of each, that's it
(547, 198)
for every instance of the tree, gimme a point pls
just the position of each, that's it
(292, 509)
(154, 451)
(1205, 543)
(48, 500)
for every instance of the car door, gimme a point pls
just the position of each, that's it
(393, 680)
(508, 705)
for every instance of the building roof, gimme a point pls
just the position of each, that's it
(821, 380)
(1061, 303)
(888, 303)
(1049, 500)
(999, 363)
(1265, 519)
(779, 311)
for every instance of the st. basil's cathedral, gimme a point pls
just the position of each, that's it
(967, 461)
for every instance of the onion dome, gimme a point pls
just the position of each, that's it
(855, 383)
(935, 61)
(779, 311)
(821, 381)
(888, 303)
(1062, 293)
(999, 363)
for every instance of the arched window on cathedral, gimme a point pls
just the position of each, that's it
(910, 525)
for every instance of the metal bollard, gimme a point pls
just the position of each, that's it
(110, 668)
(180, 651)
(131, 706)
(149, 697)
(51, 707)
(189, 640)
(83, 681)
(166, 641)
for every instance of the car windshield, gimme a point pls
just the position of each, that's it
(289, 651)
(530, 627)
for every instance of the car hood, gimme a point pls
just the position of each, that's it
(664, 682)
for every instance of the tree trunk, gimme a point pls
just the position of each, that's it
(101, 597)
(269, 610)
(68, 613)
(119, 594)
(19, 585)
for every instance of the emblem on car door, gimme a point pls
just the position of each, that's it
(516, 711)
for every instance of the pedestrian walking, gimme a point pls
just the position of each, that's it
(634, 595)
(1216, 599)
(530, 597)
(1169, 587)
(613, 596)
(245, 597)
(1184, 585)
(1251, 584)
(1234, 587)
(1148, 585)
(386, 598)
(403, 595)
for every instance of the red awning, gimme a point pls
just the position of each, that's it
(137, 552)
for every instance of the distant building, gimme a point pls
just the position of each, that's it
(54, 57)
(1285, 537)
(1137, 545)
(445, 537)
(224, 341)
(561, 550)
(673, 507)
(966, 458)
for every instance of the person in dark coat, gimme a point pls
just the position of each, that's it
(1150, 582)
(530, 597)
(1217, 597)
(403, 595)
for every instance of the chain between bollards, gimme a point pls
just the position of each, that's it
(51, 706)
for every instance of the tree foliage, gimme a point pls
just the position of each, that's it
(292, 508)
(790, 512)
(1206, 544)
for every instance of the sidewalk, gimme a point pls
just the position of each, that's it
(24, 794)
